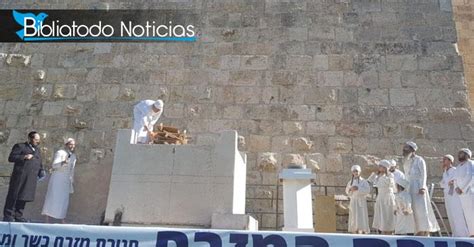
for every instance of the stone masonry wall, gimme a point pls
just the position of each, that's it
(464, 19)
(327, 82)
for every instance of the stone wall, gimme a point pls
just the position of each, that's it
(329, 82)
(464, 19)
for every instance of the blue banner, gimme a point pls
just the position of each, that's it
(21, 234)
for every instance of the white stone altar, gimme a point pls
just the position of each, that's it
(179, 185)
(297, 199)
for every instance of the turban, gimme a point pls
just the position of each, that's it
(449, 157)
(466, 151)
(159, 104)
(393, 162)
(412, 145)
(68, 140)
(385, 163)
(356, 168)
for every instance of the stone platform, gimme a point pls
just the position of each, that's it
(178, 185)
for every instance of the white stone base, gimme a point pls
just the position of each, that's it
(234, 222)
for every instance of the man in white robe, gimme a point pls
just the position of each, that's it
(397, 174)
(61, 182)
(357, 189)
(464, 186)
(451, 199)
(145, 115)
(404, 220)
(384, 219)
(415, 172)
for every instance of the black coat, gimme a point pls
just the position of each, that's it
(25, 172)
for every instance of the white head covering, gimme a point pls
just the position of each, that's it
(68, 140)
(403, 182)
(159, 104)
(412, 145)
(449, 157)
(466, 151)
(393, 163)
(385, 163)
(356, 168)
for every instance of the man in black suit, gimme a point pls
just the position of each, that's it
(28, 167)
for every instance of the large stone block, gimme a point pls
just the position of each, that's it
(373, 97)
(302, 112)
(320, 128)
(64, 91)
(292, 127)
(331, 78)
(320, 95)
(401, 62)
(256, 62)
(258, 143)
(402, 97)
(329, 113)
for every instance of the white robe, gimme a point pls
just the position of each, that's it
(384, 219)
(415, 172)
(453, 206)
(143, 115)
(404, 223)
(463, 180)
(60, 185)
(358, 213)
(398, 175)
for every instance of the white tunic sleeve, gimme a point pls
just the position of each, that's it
(58, 159)
(468, 177)
(364, 187)
(348, 187)
(423, 175)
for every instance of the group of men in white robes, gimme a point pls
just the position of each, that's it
(412, 204)
(458, 188)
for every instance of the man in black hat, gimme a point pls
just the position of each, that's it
(26, 171)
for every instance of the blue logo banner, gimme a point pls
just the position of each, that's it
(98, 26)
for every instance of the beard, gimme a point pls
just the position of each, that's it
(407, 155)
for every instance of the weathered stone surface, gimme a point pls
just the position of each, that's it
(413, 131)
(373, 97)
(259, 143)
(39, 75)
(320, 128)
(291, 127)
(18, 59)
(64, 91)
(302, 144)
(320, 95)
(292, 159)
(268, 162)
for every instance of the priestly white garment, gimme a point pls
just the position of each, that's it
(358, 213)
(463, 180)
(143, 115)
(60, 185)
(415, 173)
(453, 205)
(404, 219)
(384, 219)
